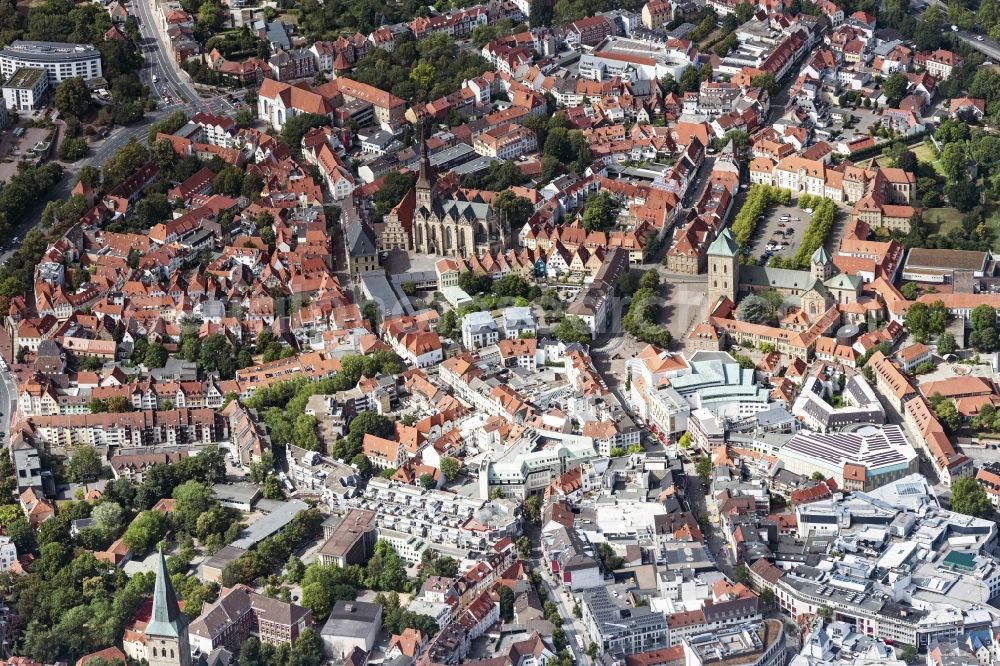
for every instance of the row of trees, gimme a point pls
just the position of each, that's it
(759, 197)
(824, 212)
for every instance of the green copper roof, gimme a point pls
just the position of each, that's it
(166, 618)
(844, 282)
(821, 256)
(724, 245)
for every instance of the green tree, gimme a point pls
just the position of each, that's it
(572, 329)
(533, 509)
(741, 574)
(968, 497)
(156, 356)
(72, 98)
(209, 16)
(308, 650)
(450, 467)
(756, 310)
(296, 127)
(261, 469)
(703, 466)
(272, 489)
(117, 404)
(524, 547)
(294, 569)
(512, 209)
(983, 320)
(506, 603)
(84, 464)
(953, 160)
(423, 74)
(600, 211)
(895, 88)
(766, 82)
(948, 415)
(146, 530)
(16, 526)
(229, 181)
(193, 499)
(946, 344)
(394, 188)
(917, 321)
(72, 149)
(124, 163)
(108, 517)
(541, 13)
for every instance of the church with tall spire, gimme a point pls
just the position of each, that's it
(167, 632)
(461, 224)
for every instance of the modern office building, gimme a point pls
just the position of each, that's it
(60, 59)
(25, 89)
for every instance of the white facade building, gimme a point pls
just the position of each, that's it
(61, 60)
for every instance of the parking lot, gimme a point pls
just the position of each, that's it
(13, 148)
(830, 129)
(772, 228)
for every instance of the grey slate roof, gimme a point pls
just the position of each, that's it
(359, 240)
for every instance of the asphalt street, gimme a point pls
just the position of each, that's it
(167, 71)
(7, 392)
(570, 625)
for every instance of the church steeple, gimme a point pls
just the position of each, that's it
(425, 164)
(425, 188)
(167, 631)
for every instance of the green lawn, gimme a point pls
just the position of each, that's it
(925, 153)
(942, 220)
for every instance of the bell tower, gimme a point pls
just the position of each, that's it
(723, 268)
(167, 631)
(425, 187)
(821, 264)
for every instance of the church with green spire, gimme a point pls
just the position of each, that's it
(167, 632)
(814, 291)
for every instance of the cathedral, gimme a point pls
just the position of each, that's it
(456, 225)
(814, 291)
